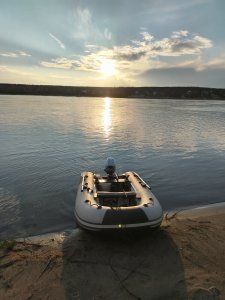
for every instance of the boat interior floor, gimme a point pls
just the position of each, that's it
(116, 193)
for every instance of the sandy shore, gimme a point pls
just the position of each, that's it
(185, 259)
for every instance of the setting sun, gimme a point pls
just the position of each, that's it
(108, 67)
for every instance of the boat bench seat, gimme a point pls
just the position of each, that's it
(115, 194)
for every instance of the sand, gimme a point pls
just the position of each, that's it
(185, 259)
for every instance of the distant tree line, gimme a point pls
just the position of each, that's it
(116, 92)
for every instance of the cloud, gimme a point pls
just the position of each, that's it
(146, 36)
(84, 15)
(185, 67)
(83, 26)
(189, 46)
(138, 56)
(178, 34)
(57, 40)
(216, 63)
(128, 53)
(180, 43)
(200, 65)
(89, 46)
(107, 34)
(22, 53)
(9, 54)
(91, 62)
(60, 63)
(14, 54)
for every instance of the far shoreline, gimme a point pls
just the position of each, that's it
(179, 93)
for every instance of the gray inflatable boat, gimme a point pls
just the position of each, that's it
(116, 202)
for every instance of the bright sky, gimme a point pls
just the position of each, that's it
(113, 43)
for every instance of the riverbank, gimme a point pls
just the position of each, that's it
(183, 260)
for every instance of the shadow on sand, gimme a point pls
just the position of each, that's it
(125, 266)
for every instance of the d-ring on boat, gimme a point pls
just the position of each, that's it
(115, 202)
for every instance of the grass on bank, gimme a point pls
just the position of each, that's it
(7, 245)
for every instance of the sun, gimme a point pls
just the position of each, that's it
(108, 67)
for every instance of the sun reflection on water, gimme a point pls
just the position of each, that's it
(107, 116)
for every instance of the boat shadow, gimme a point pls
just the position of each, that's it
(128, 265)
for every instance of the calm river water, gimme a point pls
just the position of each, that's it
(177, 146)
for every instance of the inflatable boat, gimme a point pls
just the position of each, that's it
(116, 201)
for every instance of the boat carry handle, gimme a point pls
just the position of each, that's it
(82, 184)
(144, 183)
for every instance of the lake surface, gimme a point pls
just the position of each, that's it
(177, 146)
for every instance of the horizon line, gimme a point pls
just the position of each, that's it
(111, 87)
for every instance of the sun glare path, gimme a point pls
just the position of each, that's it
(108, 67)
(107, 116)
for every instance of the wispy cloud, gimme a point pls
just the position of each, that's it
(107, 34)
(216, 63)
(9, 54)
(84, 15)
(60, 63)
(83, 27)
(14, 54)
(22, 53)
(57, 40)
(199, 64)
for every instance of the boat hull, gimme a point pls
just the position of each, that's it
(92, 216)
(154, 224)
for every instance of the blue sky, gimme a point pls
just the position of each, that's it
(113, 43)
